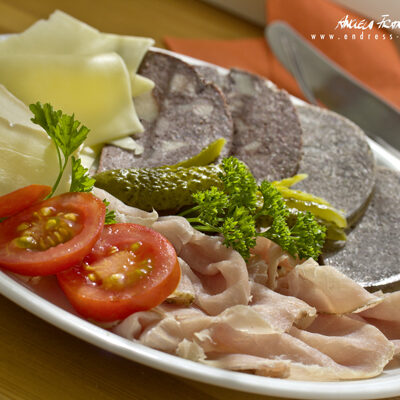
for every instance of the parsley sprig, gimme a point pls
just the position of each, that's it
(237, 211)
(80, 179)
(68, 135)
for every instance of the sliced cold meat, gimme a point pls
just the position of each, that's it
(124, 213)
(280, 311)
(181, 116)
(371, 253)
(267, 133)
(338, 160)
(218, 274)
(261, 331)
(268, 262)
(326, 289)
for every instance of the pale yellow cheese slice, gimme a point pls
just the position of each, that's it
(27, 157)
(63, 34)
(15, 111)
(27, 154)
(128, 143)
(95, 88)
(140, 84)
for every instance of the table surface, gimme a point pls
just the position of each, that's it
(39, 361)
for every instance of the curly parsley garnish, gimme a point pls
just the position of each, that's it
(241, 206)
(67, 134)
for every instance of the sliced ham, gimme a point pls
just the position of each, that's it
(385, 315)
(281, 312)
(252, 364)
(219, 277)
(358, 349)
(185, 293)
(164, 327)
(237, 323)
(268, 262)
(326, 289)
(336, 348)
(124, 213)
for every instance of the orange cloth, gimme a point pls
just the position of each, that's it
(376, 62)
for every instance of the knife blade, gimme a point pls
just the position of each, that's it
(322, 79)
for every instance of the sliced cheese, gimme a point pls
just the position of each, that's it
(140, 84)
(27, 154)
(88, 157)
(63, 34)
(128, 143)
(14, 110)
(95, 88)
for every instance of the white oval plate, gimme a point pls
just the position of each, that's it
(47, 301)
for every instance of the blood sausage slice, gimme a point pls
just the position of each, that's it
(338, 160)
(267, 132)
(372, 251)
(181, 117)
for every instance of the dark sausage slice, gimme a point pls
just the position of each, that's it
(372, 252)
(187, 115)
(338, 160)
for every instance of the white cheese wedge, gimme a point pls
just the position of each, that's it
(95, 88)
(27, 154)
(88, 157)
(140, 84)
(63, 34)
(27, 157)
(128, 143)
(15, 111)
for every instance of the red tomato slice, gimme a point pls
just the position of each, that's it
(52, 235)
(14, 202)
(131, 268)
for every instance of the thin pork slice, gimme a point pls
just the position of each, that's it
(268, 262)
(252, 364)
(220, 276)
(124, 213)
(333, 348)
(164, 327)
(326, 289)
(281, 312)
(353, 344)
(185, 293)
(385, 316)
(315, 355)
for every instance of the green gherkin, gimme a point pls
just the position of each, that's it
(160, 188)
(206, 156)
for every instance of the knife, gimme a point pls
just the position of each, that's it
(322, 80)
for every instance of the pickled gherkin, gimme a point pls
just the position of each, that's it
(206, 156)
(326, 214)
(170, 188)
(159, 188)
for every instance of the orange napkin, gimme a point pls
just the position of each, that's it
(373, 59)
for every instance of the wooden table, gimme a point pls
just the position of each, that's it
(37, 360)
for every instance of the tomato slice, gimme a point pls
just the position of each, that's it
(131, 268)
(14, 202)
(52, 235)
